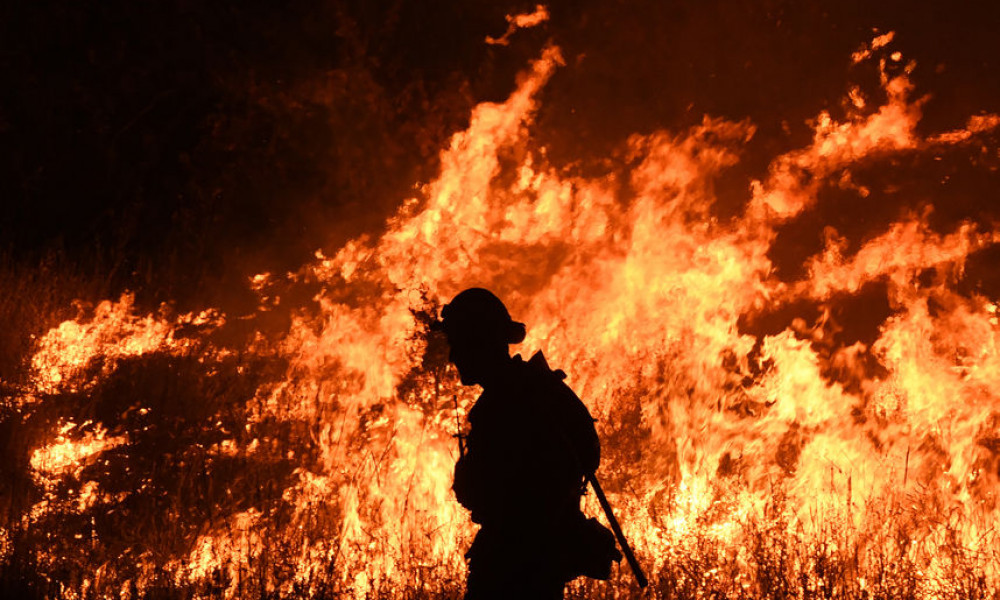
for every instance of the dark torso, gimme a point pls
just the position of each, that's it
(530, 444)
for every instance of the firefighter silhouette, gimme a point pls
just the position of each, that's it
(530, 445)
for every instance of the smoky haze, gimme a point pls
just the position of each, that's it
(181, 146)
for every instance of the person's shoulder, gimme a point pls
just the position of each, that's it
(561, 399)
(538, 371)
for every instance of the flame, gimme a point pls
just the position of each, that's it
(725, 449)
(113, 333)
(520, 21)
(66, 454)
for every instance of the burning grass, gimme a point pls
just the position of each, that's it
(773, 558)
(758, 441)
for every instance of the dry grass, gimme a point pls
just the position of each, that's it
(167, 487)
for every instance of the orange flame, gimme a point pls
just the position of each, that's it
(715, 438)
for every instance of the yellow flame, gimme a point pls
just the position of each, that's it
(715, 438)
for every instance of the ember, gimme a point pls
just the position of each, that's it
(834, 433)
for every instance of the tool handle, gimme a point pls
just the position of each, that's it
(640, 577)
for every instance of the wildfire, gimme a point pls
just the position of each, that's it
(113, 333)
(728, 445)
(65, 454)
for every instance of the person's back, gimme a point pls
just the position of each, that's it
(530, 445)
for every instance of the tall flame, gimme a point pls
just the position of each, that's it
(739, 455)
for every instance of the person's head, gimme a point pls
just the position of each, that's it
(479, 329)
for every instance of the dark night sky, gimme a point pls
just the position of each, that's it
(181, 143)
(174, 147)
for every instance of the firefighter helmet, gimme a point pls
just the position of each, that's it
(478, 314)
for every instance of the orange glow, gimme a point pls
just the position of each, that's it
(713, 436)
(521, 21)
(66, 454)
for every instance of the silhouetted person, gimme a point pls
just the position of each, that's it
(530, 444)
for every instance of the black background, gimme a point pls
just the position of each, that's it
(182, 145)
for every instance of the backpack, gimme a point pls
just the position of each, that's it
(589, 548)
